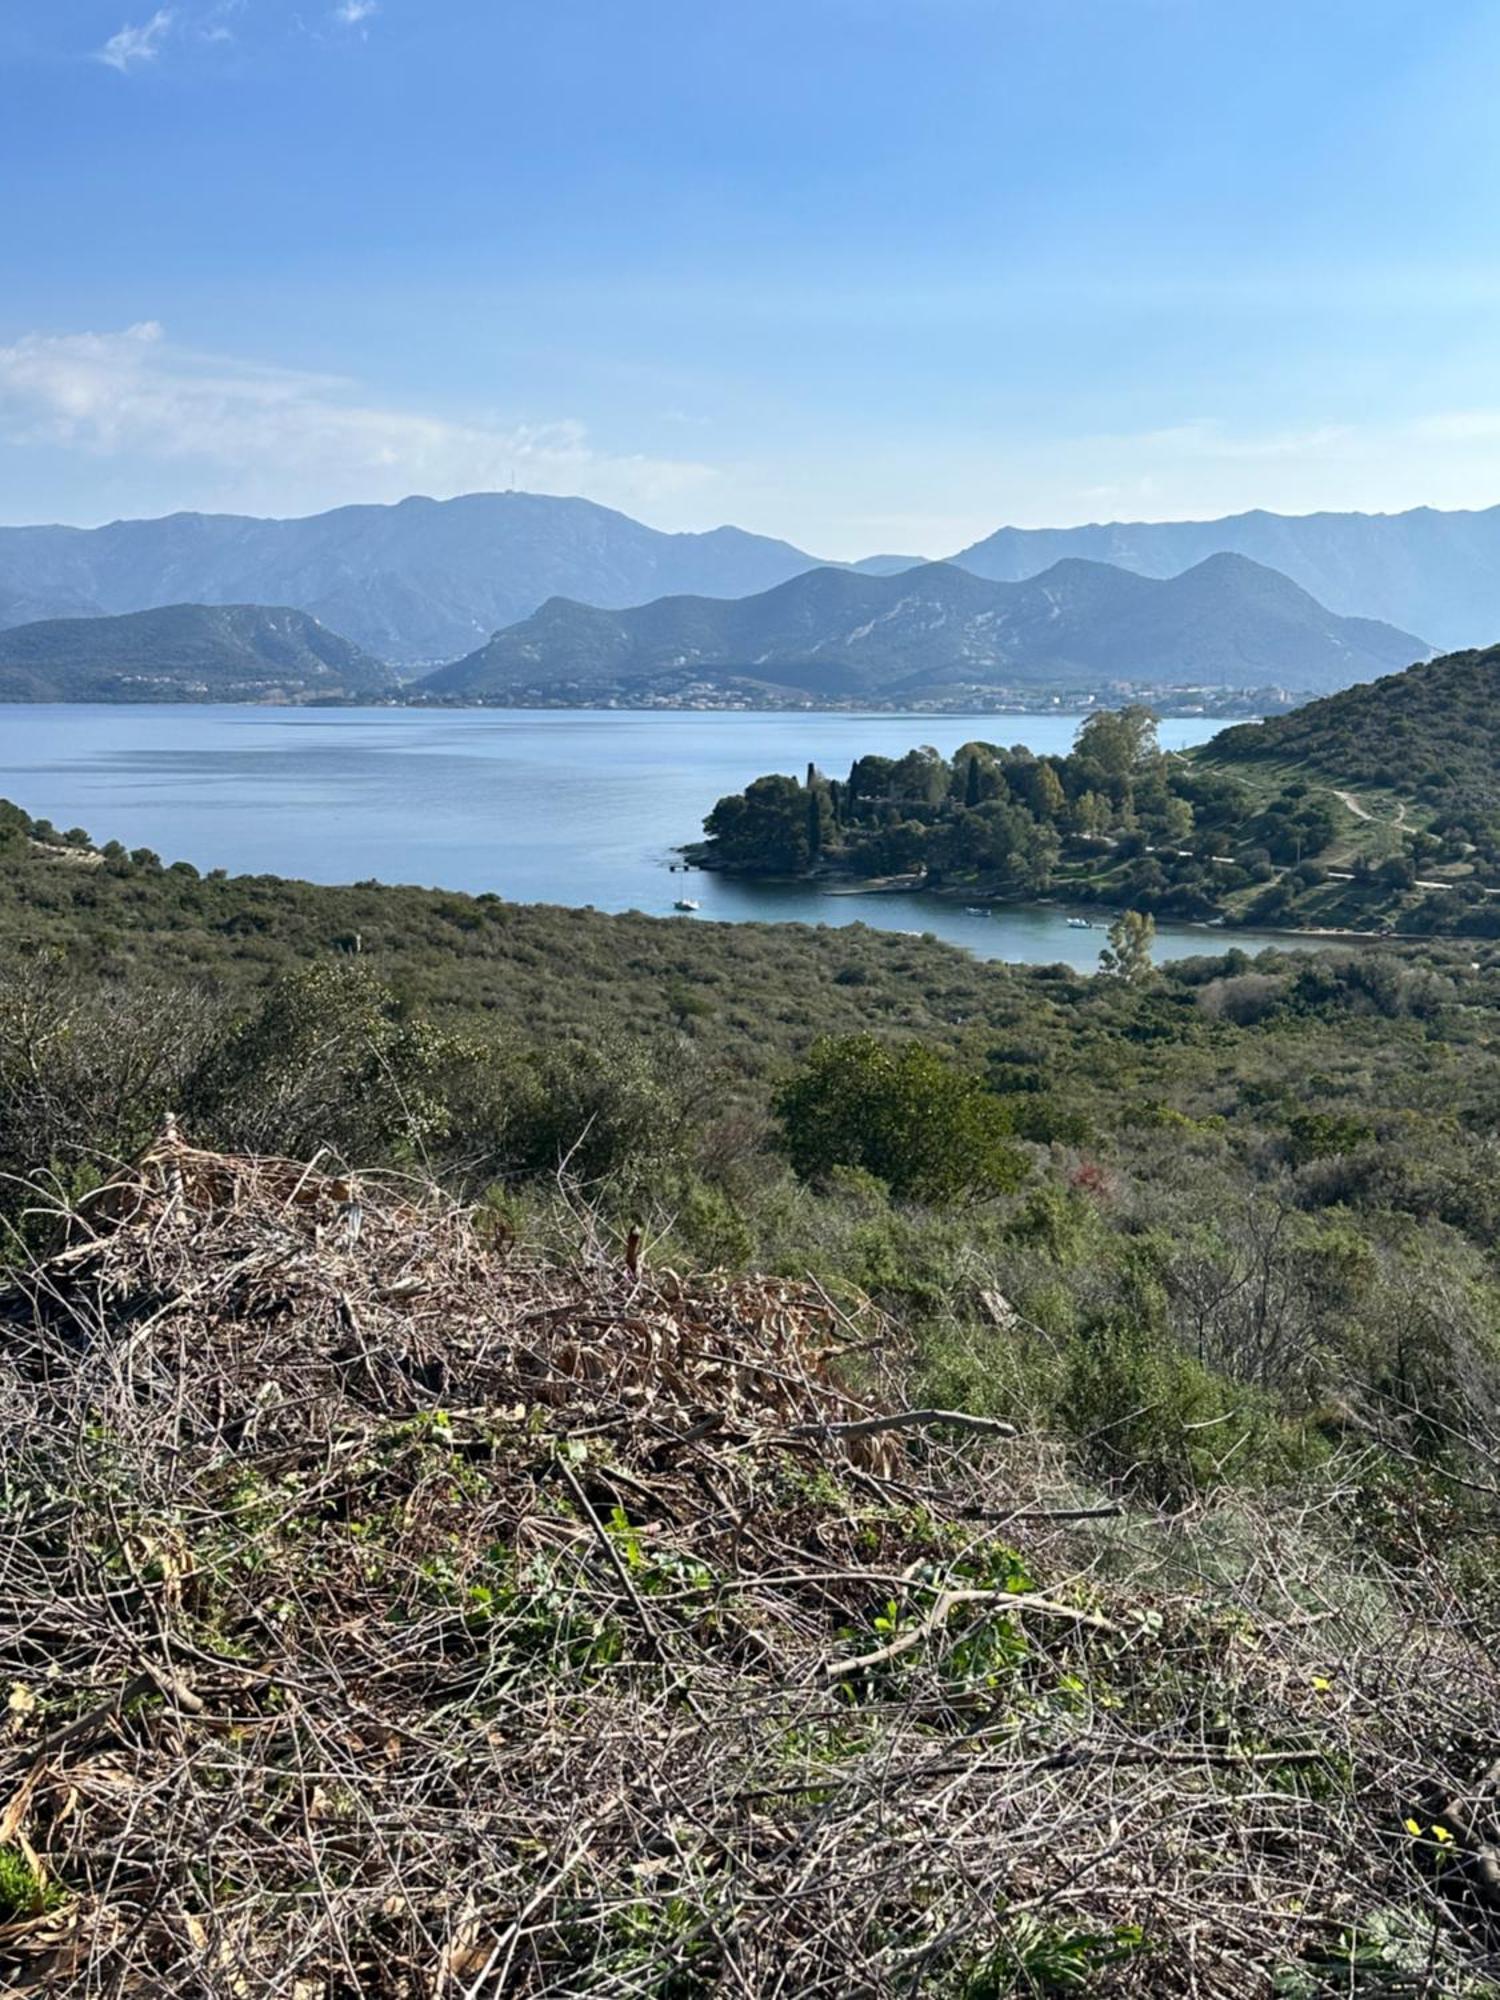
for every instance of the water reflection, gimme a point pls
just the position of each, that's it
(559, 806)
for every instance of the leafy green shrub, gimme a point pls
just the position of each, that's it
(708, 1225)
(330, 1058)
(1130, 1398)
(1319, 1135)
(1059, 1221)
(612, 1107)
(903, 1113)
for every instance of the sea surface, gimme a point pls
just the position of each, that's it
(572, 806)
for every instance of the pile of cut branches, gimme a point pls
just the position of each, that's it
(386, 1615)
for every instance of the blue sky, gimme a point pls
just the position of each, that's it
(872, 274)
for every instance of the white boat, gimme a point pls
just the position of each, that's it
(975, 910)
(684, 903)
(1079, 924)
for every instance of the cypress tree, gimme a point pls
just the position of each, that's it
(971, 783)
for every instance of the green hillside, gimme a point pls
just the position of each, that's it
(1428, 739)
(186, 652)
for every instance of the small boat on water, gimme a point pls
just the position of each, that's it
(684, 903)
(1079, 924)
(975, 910)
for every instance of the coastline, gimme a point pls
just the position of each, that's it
(1101, 915)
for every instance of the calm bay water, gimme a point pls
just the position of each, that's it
(541, 806)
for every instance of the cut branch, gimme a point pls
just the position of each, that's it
(908, 1420)
(1012, 1602)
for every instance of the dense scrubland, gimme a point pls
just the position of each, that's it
(1375, 809)
(1217, 1244)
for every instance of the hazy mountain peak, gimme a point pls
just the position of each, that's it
(421, 580)
(1424, 570)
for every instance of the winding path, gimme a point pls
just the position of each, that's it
(1360, 811)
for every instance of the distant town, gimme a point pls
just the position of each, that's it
(1166, 698)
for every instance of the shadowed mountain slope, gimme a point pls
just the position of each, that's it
(835, 633)
(185, 652)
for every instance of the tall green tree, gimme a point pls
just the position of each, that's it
(921, 777)
(1119, 741)
(763, 828)
(1128, 953)
(1043, 790)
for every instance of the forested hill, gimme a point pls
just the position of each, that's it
(1374, 810)
(1429, 736)
(186, 652)
(939, 633)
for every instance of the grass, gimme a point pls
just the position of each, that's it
(24, 1893)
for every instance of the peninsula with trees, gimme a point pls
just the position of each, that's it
(1376, 809)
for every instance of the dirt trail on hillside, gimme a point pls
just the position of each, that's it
(1361, 811)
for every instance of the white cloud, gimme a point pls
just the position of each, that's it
(132, 46)
(215, 25)
(354, 13)
(283, 438)
(131, 422)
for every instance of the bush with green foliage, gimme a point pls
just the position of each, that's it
(901, 1112)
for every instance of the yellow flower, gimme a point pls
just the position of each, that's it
(1414, 1828)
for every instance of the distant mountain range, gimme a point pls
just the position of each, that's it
(429, 580)
(835, 634)
(415, 583)
(186, 652)
(1430, 572)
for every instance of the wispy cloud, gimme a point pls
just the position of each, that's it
(216, 24)
(354, 13)
(133, 46)
(286, 438)
(1208, 437)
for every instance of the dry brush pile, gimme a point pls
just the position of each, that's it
(382, 1614)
